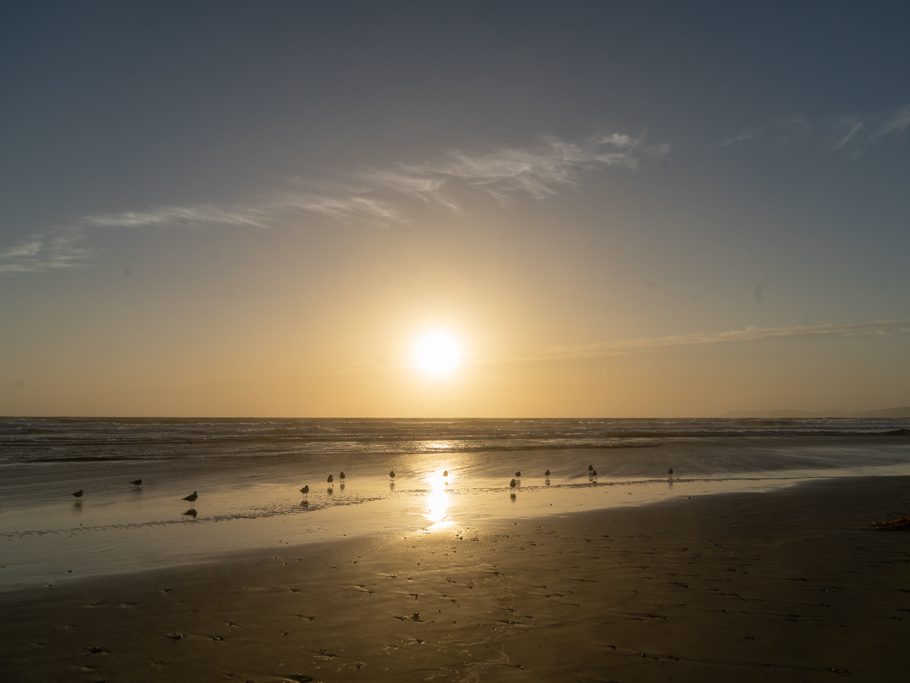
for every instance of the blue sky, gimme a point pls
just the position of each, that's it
(201, 200)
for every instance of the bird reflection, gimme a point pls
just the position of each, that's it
(191, 513)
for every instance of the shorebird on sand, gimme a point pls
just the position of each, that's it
(670, 472)
(392, 474)
(547, 474)
(329, 479)
(518, 474)
(137, 482)
(513, 484)
(77, 494)
(192, 497)
(594, 475)
(305, 490)
(445, 473)
(341, 476)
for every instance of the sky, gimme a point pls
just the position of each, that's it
(629, 209)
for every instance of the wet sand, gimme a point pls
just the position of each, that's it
(787, 585)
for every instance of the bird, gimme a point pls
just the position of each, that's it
(137, 482)
(590, 468)
(341, 476)
(670, 472)
(392, 474)
(77, 494)
(330, 478)
(445, 473)
(518, 474)
(192, 497)
(547, 473)
(513, 484)
(305, 490)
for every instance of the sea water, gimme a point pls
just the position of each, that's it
(248, 474)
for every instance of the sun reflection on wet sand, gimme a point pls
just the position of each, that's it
(438, 500)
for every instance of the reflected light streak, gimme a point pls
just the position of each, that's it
(436, 445)
(438, 501)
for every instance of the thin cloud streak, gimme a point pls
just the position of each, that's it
(748, 334)
(539, 172)
(60, 250)
(203, 214)
(852, 135)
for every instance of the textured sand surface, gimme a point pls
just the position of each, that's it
(791, 585)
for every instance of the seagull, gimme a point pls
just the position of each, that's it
(305, 490)
(137, 482)
(392, 474)
(77, 494)
(192, 497)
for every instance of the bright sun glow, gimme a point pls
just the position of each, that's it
(436, 353)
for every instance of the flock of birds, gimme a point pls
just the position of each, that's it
(330, 480)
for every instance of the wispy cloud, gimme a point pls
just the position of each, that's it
(736, 138)
(540, 171)
(773, 134)
(375, 196)
(894, 124)
(850, 134)
(58, 250)
(856, 136)
(747, 334)
(202, 214)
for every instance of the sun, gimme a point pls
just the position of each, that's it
(436, 353)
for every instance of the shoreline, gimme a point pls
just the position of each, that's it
(792, 584)
(124, 544)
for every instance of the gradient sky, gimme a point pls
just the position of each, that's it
(621, 209)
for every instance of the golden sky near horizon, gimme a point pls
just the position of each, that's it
(611, 212)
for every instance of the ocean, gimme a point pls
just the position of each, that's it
(248, 474)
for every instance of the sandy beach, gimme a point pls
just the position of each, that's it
(787, 585)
